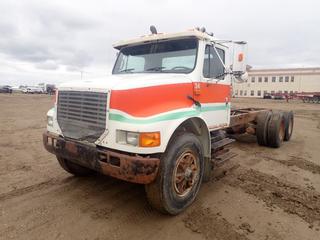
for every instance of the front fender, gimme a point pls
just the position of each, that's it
(166, 124)
(55, 127)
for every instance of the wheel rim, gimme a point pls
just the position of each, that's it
(282, 130)
(186, 173)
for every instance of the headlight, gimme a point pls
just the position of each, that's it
(50, 121)
(125, 137)
(145, 139)
(132, 138)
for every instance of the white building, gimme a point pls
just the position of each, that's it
(289, 81)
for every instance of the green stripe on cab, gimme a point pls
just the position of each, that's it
(169, 116)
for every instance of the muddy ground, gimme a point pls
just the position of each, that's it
(262, 193)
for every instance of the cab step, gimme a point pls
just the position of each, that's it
(222, 156)
(215, 146)
(218, 136)
(219, 152)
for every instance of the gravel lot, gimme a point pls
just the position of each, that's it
(262, 193)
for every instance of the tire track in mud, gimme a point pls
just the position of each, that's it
(22, 191)
(13, 232)
(100, 183)
(117, 200)
(21, 130)
(213, 225)
(92, 186)
(136, 217)
(210, 225)
(222, 171)
(37, 213)
(32, 188)
(274, 192)
(294, 161)
(147, 213)
(12, 168)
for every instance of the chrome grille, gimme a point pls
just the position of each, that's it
(82, 115)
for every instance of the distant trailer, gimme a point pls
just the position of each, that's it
(309, 97)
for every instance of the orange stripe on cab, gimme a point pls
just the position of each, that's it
(148, 101)
(213, 93)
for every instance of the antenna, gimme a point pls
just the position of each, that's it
(82, 72)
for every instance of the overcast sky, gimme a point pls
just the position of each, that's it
(52, 41)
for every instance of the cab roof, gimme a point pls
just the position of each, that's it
(162, 36)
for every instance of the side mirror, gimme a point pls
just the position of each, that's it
(239, 57)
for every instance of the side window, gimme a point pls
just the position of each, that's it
(212, 66)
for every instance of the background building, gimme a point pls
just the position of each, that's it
(289, 81)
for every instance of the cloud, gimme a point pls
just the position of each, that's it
(47, 65)
(48, 36)
(65, 37)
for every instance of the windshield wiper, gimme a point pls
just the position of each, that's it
(156, 69)
(127, 70)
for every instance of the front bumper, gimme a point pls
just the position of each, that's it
(134, 169)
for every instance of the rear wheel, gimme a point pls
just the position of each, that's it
(276, 129)
(289, 125)
(262, 128)
(74, 168)
(179, 177)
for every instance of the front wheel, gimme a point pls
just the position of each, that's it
(180, 175)
(74, 168)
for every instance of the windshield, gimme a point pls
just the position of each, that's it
(173, 56)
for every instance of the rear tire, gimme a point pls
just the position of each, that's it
(289, 125)
(178, 182)
(276, 129)
(74, 168)
(262, 127)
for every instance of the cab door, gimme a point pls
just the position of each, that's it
(215, 88)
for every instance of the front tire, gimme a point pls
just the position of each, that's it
(180, 175)
(74, 168)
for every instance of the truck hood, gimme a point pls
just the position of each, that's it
(124, 81)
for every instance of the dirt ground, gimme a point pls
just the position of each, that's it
(262, 193)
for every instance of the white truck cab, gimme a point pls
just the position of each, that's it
(157, 120)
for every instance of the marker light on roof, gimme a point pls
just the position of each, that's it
(240, 57)
(153, 29)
